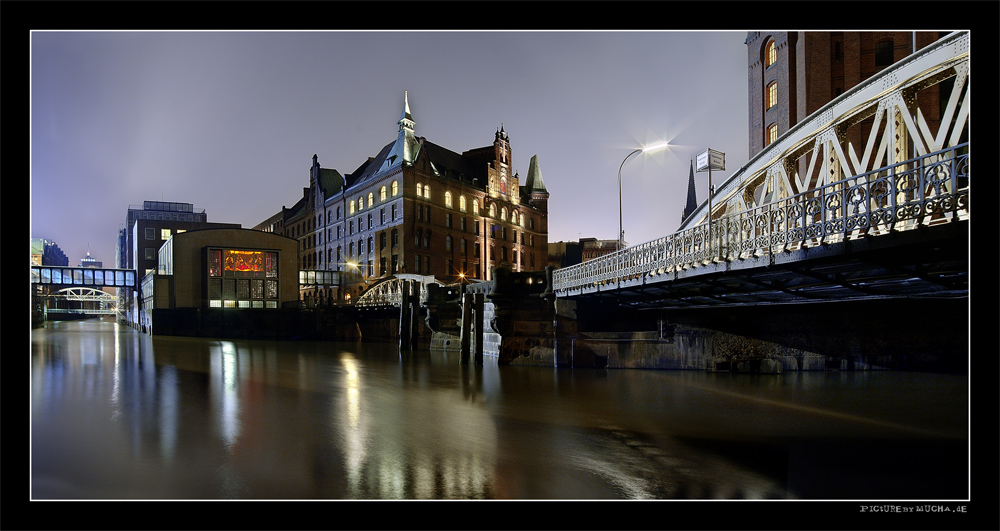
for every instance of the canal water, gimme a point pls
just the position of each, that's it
(119, 415)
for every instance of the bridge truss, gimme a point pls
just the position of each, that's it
(90, 301)
(811, 193)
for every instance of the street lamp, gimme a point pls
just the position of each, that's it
(644, 149)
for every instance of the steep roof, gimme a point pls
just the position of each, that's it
(534, 183)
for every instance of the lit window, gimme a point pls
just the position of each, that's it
(772, 95)
(395, 188)
(461, 203)
(361, 203)
(371, 199)
(503, 213)
(427, 191)
(350, 209)
(382, 193)
(447, 199)
(772, 134)
(770, 54)
(420, 190)
(164, 234)
(475, 206)
(493, 211)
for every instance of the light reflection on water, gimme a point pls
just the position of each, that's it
(119, 415)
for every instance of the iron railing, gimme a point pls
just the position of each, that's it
(928, 190)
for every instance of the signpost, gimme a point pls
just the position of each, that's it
(709, 160)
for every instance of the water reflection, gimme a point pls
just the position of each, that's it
(120, 415)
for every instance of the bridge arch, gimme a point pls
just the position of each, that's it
(388, 292)
(817, 151)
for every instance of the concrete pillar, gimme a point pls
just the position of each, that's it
(467, 301)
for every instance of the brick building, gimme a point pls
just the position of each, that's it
(793, 74)
(419, 208)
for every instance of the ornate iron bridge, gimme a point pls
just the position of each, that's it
(809, 198)
(388, 292)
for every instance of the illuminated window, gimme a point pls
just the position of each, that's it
(350, 209)
(164, 234)
(503, 214)
(772, 95)
(447, 199)
(371, 199)
(427, 191)
(772, 134)
(770, 54)
(395, 188)
(382, 193)
(493, 211)
(461, 203)
(475, 206)
(361, 203)
(420, 190)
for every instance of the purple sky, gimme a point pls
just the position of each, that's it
(229, 121)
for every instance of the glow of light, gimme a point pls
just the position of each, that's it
(654, 147)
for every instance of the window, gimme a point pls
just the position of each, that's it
(150, 253)
(503, 213)
(770, 54)
(772, 134)
(382, 193)
(164, 234)
(772, 95)
(447, 199)
(447, 219)
(883, 53)
(427, 191)
(475, 206)
(493, 211)
(394, 211)
(150, 234)
(447, 242)
(461, 203)
(350, 208)
(395, 188)
(371, 199)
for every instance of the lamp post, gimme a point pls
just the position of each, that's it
(644, 149)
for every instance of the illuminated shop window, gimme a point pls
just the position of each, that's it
(239, 278)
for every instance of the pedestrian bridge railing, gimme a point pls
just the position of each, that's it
(925, 191)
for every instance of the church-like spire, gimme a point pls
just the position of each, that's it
(692, 197)
(406, 122)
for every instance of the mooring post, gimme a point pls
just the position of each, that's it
(466, 327)
(404, 316)
(479, 302)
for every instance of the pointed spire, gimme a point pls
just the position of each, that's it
(405, 119)
(534, 181)
(692, 196)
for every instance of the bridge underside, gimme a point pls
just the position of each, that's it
(929, 262)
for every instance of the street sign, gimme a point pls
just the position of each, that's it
(711, 160)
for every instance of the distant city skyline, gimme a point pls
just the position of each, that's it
(229, 120)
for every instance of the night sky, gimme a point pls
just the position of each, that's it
(229, 121)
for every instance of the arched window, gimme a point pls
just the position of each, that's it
(447, 242)
(427, 191)
(420, 190)
(475, 206)
(371, 199)
(772, 94)
(350, 209)
(513, 217)
(461, 203)
(772, 134)
(447, 199)
(493, 210)
(770, 54)
(395, 188)
(382, 193)
(361, 203)
(503, 213)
